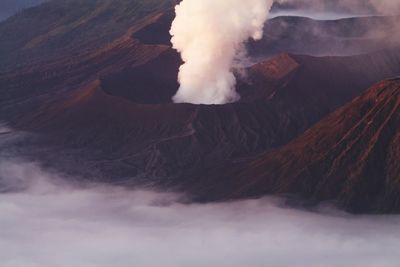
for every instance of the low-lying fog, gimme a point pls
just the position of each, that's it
(47, 222)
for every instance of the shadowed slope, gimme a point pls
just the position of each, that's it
(351, 157)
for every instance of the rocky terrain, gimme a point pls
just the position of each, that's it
(351, 156)
(94, 90)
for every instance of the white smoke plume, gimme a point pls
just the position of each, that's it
(210, 35)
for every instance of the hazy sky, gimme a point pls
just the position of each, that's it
(10, 7)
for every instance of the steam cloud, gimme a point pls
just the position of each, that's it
(210, 35)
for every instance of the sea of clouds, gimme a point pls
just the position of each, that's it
(48, 221)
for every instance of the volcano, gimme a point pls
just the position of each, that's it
(94, 86)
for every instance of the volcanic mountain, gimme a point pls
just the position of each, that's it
(138, 138)
(351, 157)
(93, 85)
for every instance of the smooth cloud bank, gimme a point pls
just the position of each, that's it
(45, 222)
(210, 36)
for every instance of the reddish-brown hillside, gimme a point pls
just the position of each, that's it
(351, 157)
(131, 124)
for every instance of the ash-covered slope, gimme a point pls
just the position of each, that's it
(351, 157)
(130, 140)
(61, 28)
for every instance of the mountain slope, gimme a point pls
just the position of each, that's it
(350, 157)
(71, 27)
(136, 139)
(10, 7)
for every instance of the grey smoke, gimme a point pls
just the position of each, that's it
(378, 7)
(353, 27)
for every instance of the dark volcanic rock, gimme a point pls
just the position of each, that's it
(154, 82)
(351, 157)
(129, 140)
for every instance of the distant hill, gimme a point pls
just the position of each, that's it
(70, 27)
(11, 7)
(61, 28)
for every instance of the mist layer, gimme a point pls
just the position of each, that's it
(47, 222)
